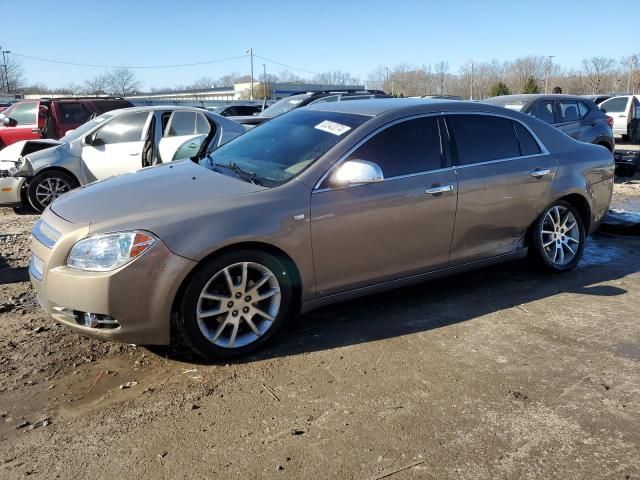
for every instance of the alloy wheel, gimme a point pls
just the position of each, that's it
(49, 189)
(238, 305)
(560, 235)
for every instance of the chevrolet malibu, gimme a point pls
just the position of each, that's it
(325, 203)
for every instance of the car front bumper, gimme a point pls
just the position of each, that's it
(132, 304)
(10, 190)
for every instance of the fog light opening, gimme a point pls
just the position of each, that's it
(95, 320)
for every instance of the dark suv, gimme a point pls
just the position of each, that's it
(577, 116)
(303, 99)
(52, 117)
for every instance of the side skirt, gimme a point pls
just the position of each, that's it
(402, 282)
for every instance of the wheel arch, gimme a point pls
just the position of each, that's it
(578, 201)
(56, 169)
(290, 265)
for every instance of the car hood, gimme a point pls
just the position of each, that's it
(179, 188)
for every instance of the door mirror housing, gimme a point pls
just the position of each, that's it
(93, 140)
(9, 122)
(357, 172)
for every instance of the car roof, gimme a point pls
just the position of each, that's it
(377, 106)
(153, 108)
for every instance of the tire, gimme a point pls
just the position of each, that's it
(550, 250)
(45, 187)
(211, 307)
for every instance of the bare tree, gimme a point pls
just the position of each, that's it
(13, 77)
(595, 69)
(122, 81)
(377, 79)
(441, 70)
(204, 83)
(97, 85)
(522, 69)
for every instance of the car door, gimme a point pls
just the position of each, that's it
(617, 108)
(372, 233)
(116, 147)
(183, 125)
(569, 118)
(504, 182)
(25, 114)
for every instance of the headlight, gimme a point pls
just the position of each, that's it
(102, 253)
(23, 168)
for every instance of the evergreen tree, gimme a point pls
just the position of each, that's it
(531, 86)
(500, 88)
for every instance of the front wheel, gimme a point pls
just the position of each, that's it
(45, 187)
(234, 304)
(558, 237)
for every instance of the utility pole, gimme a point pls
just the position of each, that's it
(250, 52)
(6, 74)
(546, 78)
(264, 80)
(387, 83)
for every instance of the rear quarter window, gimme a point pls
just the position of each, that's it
(618, 104)
(108, 105)
(73, 112)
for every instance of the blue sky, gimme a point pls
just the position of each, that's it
(328, 35)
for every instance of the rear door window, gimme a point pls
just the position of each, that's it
(202, 125)
(542, 110)
(483, 138)
(73, 112)
(412, 146)
(568, 111)
(615, 105)
(186, 123)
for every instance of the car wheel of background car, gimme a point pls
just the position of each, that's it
(234, 304)
(45, 187)
(558, 237)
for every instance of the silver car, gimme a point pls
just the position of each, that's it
(325, 203)
(116, 142)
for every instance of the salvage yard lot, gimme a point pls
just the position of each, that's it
(500, 373)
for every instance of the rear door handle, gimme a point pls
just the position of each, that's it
(622, 116)
(192, 145)
(133, 154)
(439, 189)
(540, 172)
(35, 130)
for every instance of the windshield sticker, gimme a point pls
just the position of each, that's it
(333, 127)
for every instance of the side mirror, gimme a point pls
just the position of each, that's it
(88, 140)
(93, 140)
(9, 122)
(357, 172)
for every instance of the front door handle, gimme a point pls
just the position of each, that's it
(439, 189)
(622, 116)
(192, 145)
(35, 130)
(540, 172)
(133, 154)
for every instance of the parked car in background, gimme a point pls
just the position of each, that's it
(51, 117)
(597, 98)
(115, 142)
(236, 110)
(625, 110)
(578, 117)
(389, 192)
(298, 100)
(4, 106)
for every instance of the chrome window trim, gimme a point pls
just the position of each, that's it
(543, 149)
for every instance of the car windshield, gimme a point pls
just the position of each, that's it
(276, 151)
(85, 128)
(283, 106)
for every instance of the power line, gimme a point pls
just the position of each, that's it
(285, 65)
(179, 65)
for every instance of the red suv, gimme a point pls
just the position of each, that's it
(52, 117)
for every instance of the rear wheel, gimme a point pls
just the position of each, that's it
(558, 237)
(235, 304)
(45, 187)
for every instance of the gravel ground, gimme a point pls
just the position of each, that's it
(498, 373)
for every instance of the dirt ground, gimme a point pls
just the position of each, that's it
(499, 373)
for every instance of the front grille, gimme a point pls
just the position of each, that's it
(45, 234)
